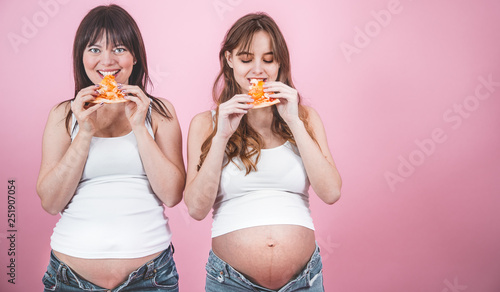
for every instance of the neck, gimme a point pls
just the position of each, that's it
(113, 111)
(111, 121)
(260, 119)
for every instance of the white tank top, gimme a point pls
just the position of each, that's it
(114, 212)
(277, 193)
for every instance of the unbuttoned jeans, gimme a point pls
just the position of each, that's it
(159, 274)
(221, 277)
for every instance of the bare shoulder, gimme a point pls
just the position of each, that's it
(168, 105)
(61, 109)
(316, 124)
(201, 124)
(203, 117)
(203, 120)
(312, 115)
(58, 113)
(165, 102)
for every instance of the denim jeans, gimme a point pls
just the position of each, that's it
(159, 274)
(221, 277)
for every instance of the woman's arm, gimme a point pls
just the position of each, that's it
(62, 161)
(162, 156)
(318, 162)
(202, 186)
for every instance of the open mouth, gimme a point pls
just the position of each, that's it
(250, 79)
(106, 73)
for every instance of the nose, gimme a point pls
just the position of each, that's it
(257, 69)
(107, 58)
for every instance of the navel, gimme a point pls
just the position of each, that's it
(271, 243)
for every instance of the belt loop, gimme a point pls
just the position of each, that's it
(172, 246)
(150, 271)
(62, 273)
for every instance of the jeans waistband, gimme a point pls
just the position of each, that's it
(227, 270)
(146, 271)
(315, 258)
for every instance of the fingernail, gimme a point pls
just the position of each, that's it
(102, 102)
(96, 92)
(98, 85)
(119, 86)
(123, 91)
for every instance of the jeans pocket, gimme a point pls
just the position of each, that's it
(316, 281)
(166, 277)
(49, 281)
(213, 274)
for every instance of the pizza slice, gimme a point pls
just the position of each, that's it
(261, 98)
(109, 91)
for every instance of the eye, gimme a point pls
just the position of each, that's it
(94, 50)
(268, 58)
(119, 50)
(245, 58)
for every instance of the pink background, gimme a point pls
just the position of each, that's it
(416, 214)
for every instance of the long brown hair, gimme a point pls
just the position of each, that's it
(119, 28)
(245, 141)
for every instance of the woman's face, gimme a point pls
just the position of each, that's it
(103, 58)
(258, 63)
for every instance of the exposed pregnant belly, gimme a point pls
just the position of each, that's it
(269, 256)
(107, 273)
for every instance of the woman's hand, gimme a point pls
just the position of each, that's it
(137, 109)
(230, 114)
(84, 111)
(288, 107)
